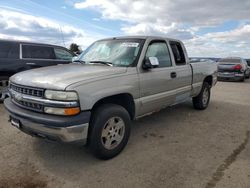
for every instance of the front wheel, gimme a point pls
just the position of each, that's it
(4, 80)
(109, 131)
(201, 101)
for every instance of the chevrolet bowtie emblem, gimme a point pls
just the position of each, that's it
(17, 96)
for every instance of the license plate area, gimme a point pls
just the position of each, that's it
(226, 74)
(15, 122)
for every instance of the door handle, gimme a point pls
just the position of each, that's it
(30, 64)
(173, 75)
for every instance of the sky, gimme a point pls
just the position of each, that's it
(215, 28)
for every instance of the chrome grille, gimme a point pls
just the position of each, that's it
(29, 105)
(27, 90)
(17, 90)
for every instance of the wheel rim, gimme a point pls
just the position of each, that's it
(113, 133)
(205, 96)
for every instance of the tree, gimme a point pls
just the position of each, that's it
(75, 48)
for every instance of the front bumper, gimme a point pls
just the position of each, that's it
(52, 127)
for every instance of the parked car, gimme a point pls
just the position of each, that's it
(116, 80)
(197, 60)
(17, 56)
(233, 68)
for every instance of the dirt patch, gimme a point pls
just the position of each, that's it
(23, 182)
(219, 173)
(28, 176)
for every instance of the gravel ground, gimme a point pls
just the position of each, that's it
(177, 147)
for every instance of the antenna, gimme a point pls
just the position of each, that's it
(62, 36)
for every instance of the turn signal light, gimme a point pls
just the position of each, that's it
(71, 111)
(62, 111)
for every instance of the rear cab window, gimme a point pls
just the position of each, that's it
(37, 52)
(178, 53)
(9, 50)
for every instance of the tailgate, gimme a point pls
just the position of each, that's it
(227, 67)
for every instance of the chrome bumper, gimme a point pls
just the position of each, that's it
(75, 133)
(56, 128)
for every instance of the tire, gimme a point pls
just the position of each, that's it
(3, 84)
(109, 131)
(243, 79)
(201, 101)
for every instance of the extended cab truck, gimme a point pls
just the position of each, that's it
(17, 56)
(114, 81)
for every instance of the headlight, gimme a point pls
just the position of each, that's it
(61, 95)
(62, 111)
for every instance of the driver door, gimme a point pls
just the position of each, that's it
(157, 84)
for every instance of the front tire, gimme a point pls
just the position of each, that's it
(201, 101)
(109, 131)
(4, 80)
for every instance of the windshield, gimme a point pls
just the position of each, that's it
(116, 52)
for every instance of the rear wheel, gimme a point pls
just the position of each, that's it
(109, 131)
(4, 80)
(243, 79)
(201, 101)
(248, 75)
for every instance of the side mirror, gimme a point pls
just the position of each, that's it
(150, 62)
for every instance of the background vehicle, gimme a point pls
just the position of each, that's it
(116, 80)
(196, 60)
(17, 56)
(233, 68)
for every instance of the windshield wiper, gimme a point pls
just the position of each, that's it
(79, 61)
(103, 63)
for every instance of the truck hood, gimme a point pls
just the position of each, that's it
(60, 76)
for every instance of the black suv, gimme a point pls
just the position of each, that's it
(17, 56)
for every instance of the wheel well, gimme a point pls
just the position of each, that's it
(209, 80)
(125, 100)
(7, 74)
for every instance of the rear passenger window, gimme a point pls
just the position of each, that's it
(159, 50)
(178, 53)
(63, 54)
(38, 52)
(9, 50)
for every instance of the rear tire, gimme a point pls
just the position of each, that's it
(109, 131)
(4, 80)
(243, 79)
(201, 101)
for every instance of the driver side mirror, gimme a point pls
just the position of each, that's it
(150, 62)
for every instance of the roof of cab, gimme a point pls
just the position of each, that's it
(142, 37)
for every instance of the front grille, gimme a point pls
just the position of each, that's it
(15, 90)
(27, 90)
(29, 105)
